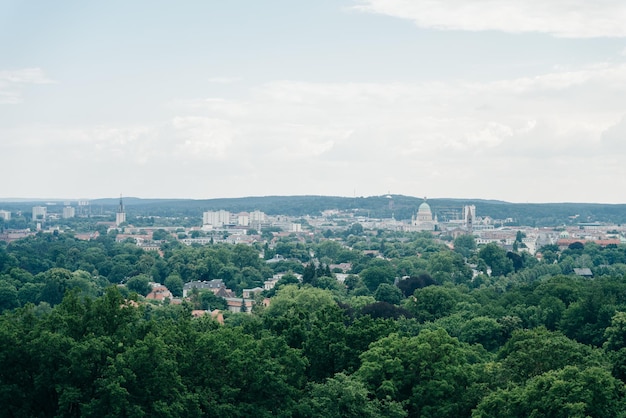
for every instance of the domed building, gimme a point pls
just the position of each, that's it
(424, 220)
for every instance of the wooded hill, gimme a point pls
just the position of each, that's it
(399, 206)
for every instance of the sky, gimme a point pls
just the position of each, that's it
(515, 100)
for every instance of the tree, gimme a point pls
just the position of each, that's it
(8, 296)
(160, 235)
(448, 266)
(530, 353)
(245, 256)
(139, 284)
(55, 283)
(568, 392)
(293, 309)
(482, 330)
(377, 273)
(495, 257)
(355, 229)
(385, 310)
(329, 283)
(516, 260)
(330, 249)
(388, 293)
(431, 374)
(175, 285)
(465, 245)
(616, 333)
(433, 302)
(343, 396)
(208, 301)
(409, 285)
(309, 275)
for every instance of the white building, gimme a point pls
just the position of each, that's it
(216, 218)
(258, 216)
(424, 220)
(39, 213)
(243, 219)
(5, 214)
(69, 212)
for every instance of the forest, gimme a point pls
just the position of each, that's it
(416, 329)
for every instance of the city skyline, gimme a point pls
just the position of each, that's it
(513, 101)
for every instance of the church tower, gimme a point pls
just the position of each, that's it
(120, 216)
(469, 213)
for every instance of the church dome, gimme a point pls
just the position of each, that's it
(424, 207)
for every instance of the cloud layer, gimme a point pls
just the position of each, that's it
(561, 18)
(503, 139)
(12, 81)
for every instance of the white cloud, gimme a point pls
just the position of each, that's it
(435, 139)
(614, 137)
(25, 76)
(202, 137)
(224, 80)
(12, 80)
(9, 97)
(561, 18)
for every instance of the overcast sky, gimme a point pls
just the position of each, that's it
(517, 100)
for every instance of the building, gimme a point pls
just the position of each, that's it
(250, 293)
(120, 216)
(69, 212)
(469, 215)
(159, 293)
(39, 213)
(423, 220)
(213, 285)
(215, 314)
(243, 219)
(216, 219)
(239, 305)
(5, 214)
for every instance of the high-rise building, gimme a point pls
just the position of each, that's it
(243, 219)
(120, 216)
(5, 214)
(258, 220)
(216, 218)
(258, 216)
(83, 208)
(69, 212)
(39, 213)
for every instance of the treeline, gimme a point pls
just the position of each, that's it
(399, 206)
(530, 339)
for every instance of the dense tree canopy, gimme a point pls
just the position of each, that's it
(411, 331)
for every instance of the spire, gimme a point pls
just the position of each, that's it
(120, 216)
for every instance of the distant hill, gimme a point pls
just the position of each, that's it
(399, 206)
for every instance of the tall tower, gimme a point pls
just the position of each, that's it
(120, 216)
(469, 213)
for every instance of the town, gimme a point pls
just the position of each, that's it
(347, 228)
(325, 306)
